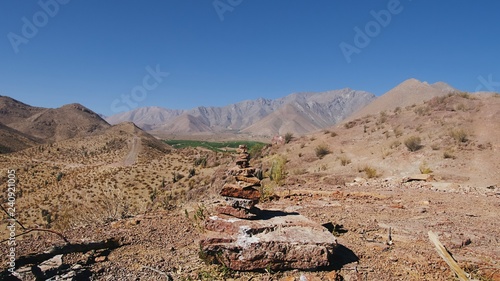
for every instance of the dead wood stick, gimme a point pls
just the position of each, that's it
(443, 252)
(5, 211)
(69, 248)
(28, 230)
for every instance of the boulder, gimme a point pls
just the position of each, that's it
(274, 240)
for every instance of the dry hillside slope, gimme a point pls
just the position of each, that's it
(458, 136)
(68, 121)
(12, 111)
(12, 140)
(407, 93)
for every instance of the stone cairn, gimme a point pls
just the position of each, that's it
(242, 196)
(253, 239)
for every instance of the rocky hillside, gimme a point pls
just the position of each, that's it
(307, 112)
(12, 140)
(48, 124)
(454, 137)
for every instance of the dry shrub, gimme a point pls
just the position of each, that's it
(322, 150)
(459, 135)
(413, 143)
(344, 160)
(370, 172)
(424, 169)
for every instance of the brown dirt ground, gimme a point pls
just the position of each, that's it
(466, 223)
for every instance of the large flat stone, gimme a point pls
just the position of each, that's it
(274, 240)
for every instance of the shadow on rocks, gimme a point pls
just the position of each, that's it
(269, 214)
(341, 257)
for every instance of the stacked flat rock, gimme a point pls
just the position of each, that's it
(243, 239)
(242, 196)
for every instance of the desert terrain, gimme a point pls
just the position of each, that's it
(383, 178)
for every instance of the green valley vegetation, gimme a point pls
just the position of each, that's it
(215, 146)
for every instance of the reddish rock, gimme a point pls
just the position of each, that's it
(232, 190)
(243, 184)
(280, 241)
(235, 212)
(250, 179)
(236, 171)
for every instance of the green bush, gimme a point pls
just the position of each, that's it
(256, 150)
(277, 173)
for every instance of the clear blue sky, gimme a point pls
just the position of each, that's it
(94, 52)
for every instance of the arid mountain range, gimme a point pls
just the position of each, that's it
(23, 125)
(297, 113)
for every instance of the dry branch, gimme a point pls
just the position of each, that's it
(443, 252)
(112, 243)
